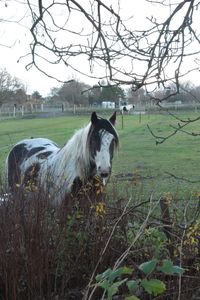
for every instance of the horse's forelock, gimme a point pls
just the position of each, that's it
(107, 126)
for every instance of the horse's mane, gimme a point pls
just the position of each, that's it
(75, 150)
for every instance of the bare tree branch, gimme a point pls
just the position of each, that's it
(124, 55)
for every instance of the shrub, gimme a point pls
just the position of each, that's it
(56, 253)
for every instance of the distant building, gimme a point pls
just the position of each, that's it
(108, 104)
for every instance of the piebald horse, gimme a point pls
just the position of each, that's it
(59, 171)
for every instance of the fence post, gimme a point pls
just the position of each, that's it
(140, 117)
(14, 111)
(122, 114)
(22, 110)
(63, 107)
(166, 220)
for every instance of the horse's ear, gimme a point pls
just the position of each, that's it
(94, 118)
(113, 118)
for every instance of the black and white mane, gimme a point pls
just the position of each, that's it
(41, 162)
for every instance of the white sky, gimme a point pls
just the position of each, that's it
(14, 40)
(17, 39)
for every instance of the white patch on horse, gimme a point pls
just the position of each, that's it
(102, 157)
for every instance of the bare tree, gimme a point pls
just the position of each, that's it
(137, 97)
(71, 93)
(97, 30)
(11, 89)
(112, 42)
(100, 39)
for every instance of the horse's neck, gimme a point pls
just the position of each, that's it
(73, 159)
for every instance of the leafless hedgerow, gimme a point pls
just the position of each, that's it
(48, 253)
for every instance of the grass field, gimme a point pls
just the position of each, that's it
(139, 161)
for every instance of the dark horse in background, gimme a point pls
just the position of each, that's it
(88, 153)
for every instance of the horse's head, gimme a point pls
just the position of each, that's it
(102, 140)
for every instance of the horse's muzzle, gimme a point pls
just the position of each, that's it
(104, 177)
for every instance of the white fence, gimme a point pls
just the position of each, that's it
(46, 109)
(21, 110)
(36, 109)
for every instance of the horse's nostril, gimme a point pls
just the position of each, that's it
(104, 175)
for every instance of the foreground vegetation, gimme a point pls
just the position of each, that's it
(140, 240)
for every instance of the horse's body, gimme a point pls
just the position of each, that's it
(126, 109)
(41, 162)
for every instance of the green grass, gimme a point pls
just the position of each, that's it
(178, 155)
(138, 153)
